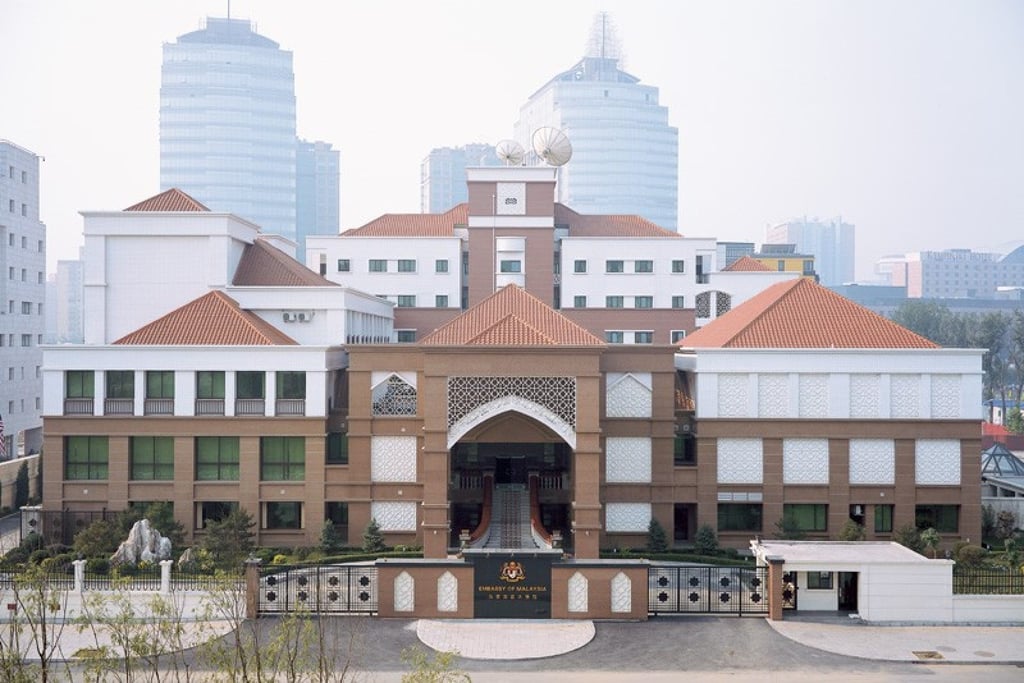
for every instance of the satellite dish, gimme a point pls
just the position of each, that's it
(511, 152)
(552, 145)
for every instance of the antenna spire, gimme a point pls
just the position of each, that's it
(229, 9)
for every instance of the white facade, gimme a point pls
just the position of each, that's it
(22, 299)
(69, 302)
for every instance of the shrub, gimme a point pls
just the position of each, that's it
(37, 556)
(1006, 524)
(852, 531)
(100, 538)
(373, 539)
(706, 540)
(330, 539)
(657, 541)
(910, 537)
(969, 556)
(229, 540)
(988, 522)
(788, 529)
(97, 565)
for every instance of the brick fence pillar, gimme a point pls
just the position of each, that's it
(252, 588)
(775, 587)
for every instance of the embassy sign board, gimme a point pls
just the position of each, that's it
(511, 585)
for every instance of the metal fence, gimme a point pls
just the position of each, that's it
(318, 589)
(681, 589)
(987, 582)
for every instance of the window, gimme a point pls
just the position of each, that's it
(406, 300)
(677, 336)
(24, 209)
(213, 511)
(406, 265)
(283, 515)
(152, 458)
(806, 517)
(337, 512)
(943, 518)
(883, 519)
(120, 384)
(808, 267)
(579, 266)
(378, 265)
(684, 450)
(210, 384)
(250, 384)
(26, 340)
(613, 266)
(780, 265)
(613, 302)
(643, 266)
(643, 337)
(613, 337)
(216, 458)
(159, 384)
(739, 516)
(282, 458)
(678, 266)
(511, 266)
(344, 265)
(579, 302)
(10, 205)
(441, 301)
(26, 307)
(405, 335)
(679, 301)
(85, 457)
(291, 385)
(441, 265)
(78, 384)
(24, 241)
(337, 448)
(819, 580)
(643, 302)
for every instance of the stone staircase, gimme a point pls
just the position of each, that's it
(510, 518)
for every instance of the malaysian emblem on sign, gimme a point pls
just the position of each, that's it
(512, 572)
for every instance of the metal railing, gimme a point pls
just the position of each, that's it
(78, 406)
(209, 406)
(290, 406)
(250, 406)
(318, 589)
(707, 590)
(987, 582)
(159, 406)
(118, 406)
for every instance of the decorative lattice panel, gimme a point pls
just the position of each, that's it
(627, 459)
(578, 593)
(740, 461)
(405, 593)
(622, 594)
(723, 303)
(626, 517)
(702, 305)
(557, 394)
(447, 593)
(394, 396)
(394, 515)
(945, 396)
(905, 396)
(732, 395)
(864, 395)
(805, 461)
(937, 462)
(393, 458)
(872, 461)
(773, 395)
(813, 395)
(628, 395)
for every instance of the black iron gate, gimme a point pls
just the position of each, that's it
(679, 589)
(330, 588)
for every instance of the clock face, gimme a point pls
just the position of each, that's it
(511, 199)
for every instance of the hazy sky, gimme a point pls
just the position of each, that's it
(905, 117)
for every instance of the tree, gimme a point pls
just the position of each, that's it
(657, 541)
(988, 522)
(1006, 524)
(930, 539)
(788, 529)
(330, 539)
(1014, 421)
(437, 669)
(852, 531)
(21, 486)
(99, 539)
(373, 539)
(909, 537)
(706, 540)
(229, 540)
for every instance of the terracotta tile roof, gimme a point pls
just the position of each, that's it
(214, 319)
(581, 225)
(414, 224)
(263, 265)
(169, 200)
(511, 317)
(801, 314)
(745, 264)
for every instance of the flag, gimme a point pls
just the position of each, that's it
(3, 440)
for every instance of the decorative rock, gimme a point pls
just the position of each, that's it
(144, 544)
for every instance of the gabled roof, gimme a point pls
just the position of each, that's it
(263, 265)
(801, 314)
(624, 225)
(745, 264)
(169, 200)
(214, 319)
(414, 224)
(511, 317)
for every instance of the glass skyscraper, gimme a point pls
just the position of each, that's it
(227, 123)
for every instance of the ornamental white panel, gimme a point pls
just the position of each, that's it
(905, 396)
(805, 461)
(813, 395)
(394, 515)
(557, 394)
(945, 396)
(393, 458)
(872, 461)
(773, 395)
(628, 396)
(740, 461)
(732, 395)
(622, 593)
(578, 593)
(937, 462)
(447, 593)
(394, 396)
(624, 517)
(627, 459)
(405, 593)
(864, 400)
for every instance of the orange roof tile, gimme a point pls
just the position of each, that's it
(625, 225)
(511, 317)
(414, 224)
(169, 200)
(263, 265)
(214, 319)
(801, 314)
(745, 264)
